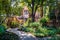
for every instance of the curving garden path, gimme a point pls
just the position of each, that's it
(23, 35)
(27, 36)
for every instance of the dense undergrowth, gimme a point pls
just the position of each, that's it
(39, 29)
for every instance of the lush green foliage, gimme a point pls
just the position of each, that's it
(43, 20)
(45, 31)
(40, 30)
(37, 28)
(14, 24)
(34, 24)
(29, 30)
(5, 7)
(2, 29)
(9, 36)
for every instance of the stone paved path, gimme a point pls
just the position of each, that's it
(23, 35)
(26, 36)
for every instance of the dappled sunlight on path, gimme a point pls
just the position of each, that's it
(23, 35)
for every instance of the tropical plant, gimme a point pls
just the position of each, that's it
(14, 24)
(2, 29)
(43, 21)
(34, 24)
(43, 32)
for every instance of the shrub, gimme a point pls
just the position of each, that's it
(4, 24)
(14, 24)
(43, 21)
(42, 31)
(28, 29)
(34, 24)
(2, 29)
(27, 23)
(39, 34)
(51, 32)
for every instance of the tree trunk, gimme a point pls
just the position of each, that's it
(34, 10)
(33, 14)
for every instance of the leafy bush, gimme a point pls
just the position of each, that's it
(27, 23)
(39, 34)
(34, 24)
(2, 29)
(43, 21)
(42, 31)
(51, 32)
(4, 24)
(28, 29)
(14, 24)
